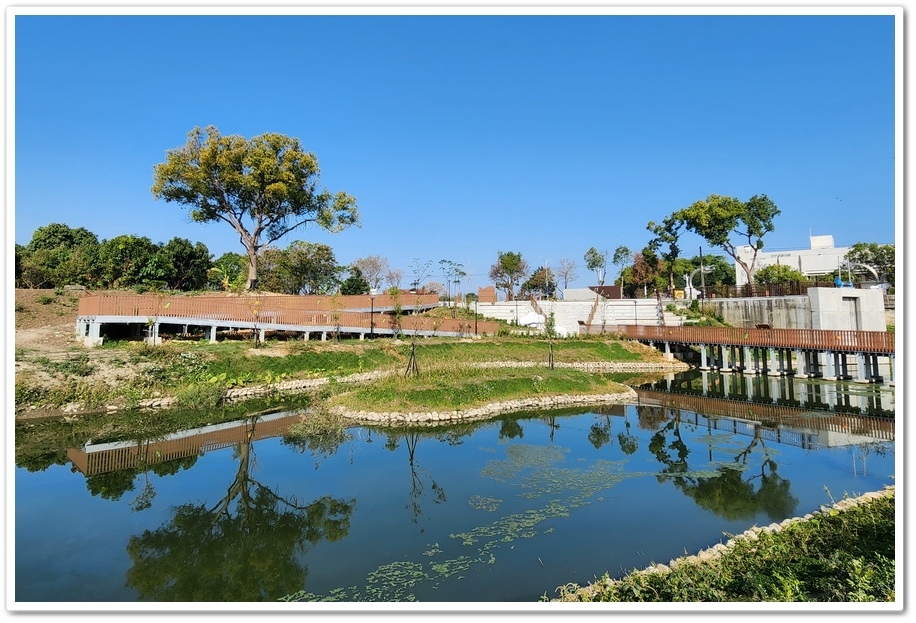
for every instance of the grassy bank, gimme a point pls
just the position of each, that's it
(198, 373)
(449, 387)
(841, 554)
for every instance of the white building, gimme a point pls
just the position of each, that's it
(821, 259)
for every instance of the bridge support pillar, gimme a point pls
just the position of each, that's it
(755, 361)
(213, 334)
(867, 368)
(703, 363)
(829, 374)
(774, 368)
(90, 332)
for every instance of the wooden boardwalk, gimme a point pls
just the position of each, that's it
(150, 316)
(810, 352)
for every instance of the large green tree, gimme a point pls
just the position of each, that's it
(186, 264)
(542, 282)
(264, 188)
(508, 270)
(880, 257)
(718, 218)
(355, 283)
(128, 261)
(779, 274)
(667, 235)
(58, 255)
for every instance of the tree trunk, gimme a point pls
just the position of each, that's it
(252, 270)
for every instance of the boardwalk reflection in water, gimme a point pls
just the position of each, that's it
(813, 413)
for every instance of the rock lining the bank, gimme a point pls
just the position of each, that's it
(245, 393)
(486, 411)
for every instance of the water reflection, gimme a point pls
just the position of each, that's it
(247, 546)
(534, 500)
(789, 391)
(732, 490)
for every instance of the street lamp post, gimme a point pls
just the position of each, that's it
(515, 296)
(635, 312)
(371, 316)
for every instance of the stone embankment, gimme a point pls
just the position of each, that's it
(433, 418)
(544, 402)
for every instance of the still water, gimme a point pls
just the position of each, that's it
(505, 510)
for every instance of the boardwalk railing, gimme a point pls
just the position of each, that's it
(344, 312)
(245, 306)
(772, 414)
(878, 342)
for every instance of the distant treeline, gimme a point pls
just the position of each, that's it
(59, 255)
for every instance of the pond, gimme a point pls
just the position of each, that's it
(505, 510)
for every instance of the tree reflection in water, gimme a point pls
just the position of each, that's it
(417, 473)
(726, 493)
(246, 547)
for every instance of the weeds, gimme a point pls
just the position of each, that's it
(836, 556)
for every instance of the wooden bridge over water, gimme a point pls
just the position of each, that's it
(822, 353)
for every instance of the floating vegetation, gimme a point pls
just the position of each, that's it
(484, 503)
(433, 550)
(392, 582)
(449, 568)
(523, 456)
(563, 488)
(585, 482)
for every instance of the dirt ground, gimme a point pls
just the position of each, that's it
(46, 321)
(45, 330)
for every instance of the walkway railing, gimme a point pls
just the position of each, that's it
(878, 342)
(243, 307)
(344, 313)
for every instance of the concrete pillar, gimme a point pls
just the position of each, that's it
(829, 373)
(703, 365)
(774, 369)
(750, 362)
(93, 334)
(213, 334)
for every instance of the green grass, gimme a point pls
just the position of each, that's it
(842, 555)
(449, 388)
(192, 370)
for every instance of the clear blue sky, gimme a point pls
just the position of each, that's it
(463, 136)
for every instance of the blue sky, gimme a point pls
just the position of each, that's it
(464, 135)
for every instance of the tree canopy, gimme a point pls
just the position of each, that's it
(880, 257)
(509, 268)
(717, 218)
(264, 188)
(596, 261)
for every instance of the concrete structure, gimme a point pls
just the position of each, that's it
(851, 309)
(822, 258)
